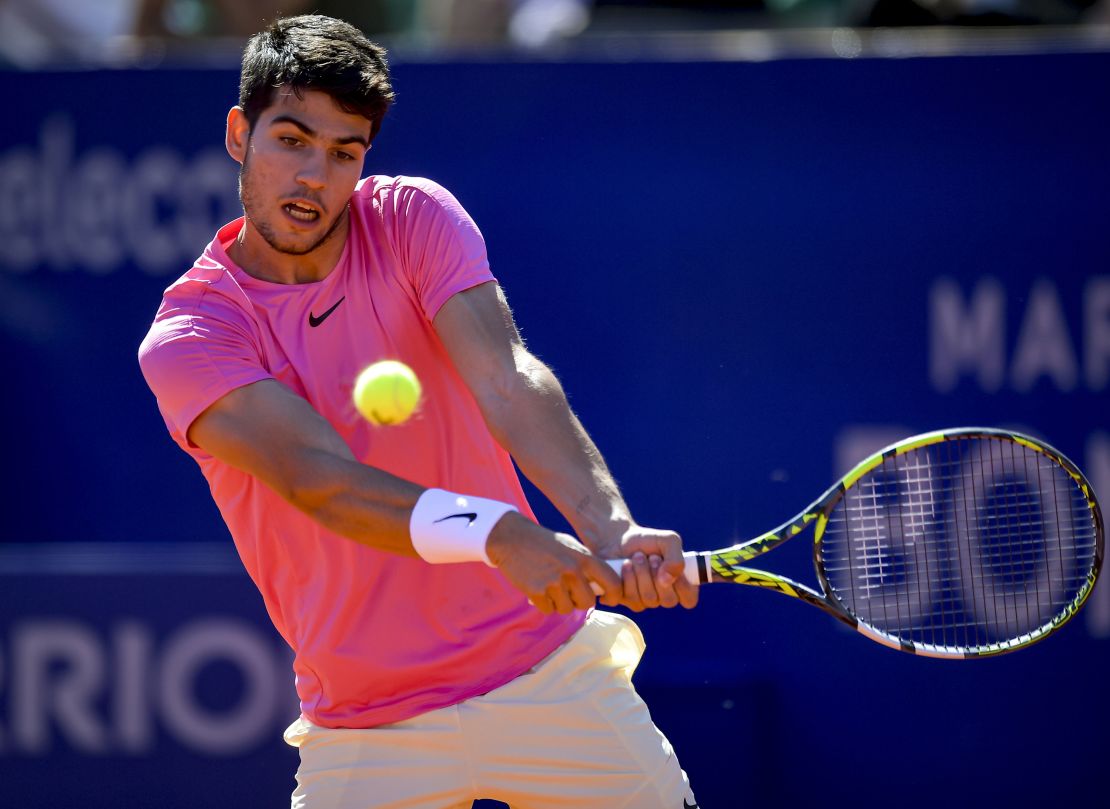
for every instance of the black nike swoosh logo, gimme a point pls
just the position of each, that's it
(314, 321)
(469, 516)
(688, 805)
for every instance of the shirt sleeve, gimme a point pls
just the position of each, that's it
(440, 247)
(197, 351)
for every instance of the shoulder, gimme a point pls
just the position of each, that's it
(211, 282)
(382, 186)
(401, 196)
(202, 304)
(206, 290)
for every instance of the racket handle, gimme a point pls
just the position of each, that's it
(691, 570)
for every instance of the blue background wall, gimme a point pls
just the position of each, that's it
(747, 275)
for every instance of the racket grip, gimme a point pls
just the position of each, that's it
(691, 570)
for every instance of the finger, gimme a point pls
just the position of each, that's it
(609, 598)
(581, 596)
(645, 580)
(687, 593)
(542, 603)
(631, 588)
(674, 565)
(560, 598)
(667, 595)
(603, 580)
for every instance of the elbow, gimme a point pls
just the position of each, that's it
(310, 488)
(515, 399)
(326, 506)
(306, 498)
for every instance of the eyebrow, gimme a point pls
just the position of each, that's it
(289, 119)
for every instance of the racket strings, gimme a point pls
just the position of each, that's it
(961, 544)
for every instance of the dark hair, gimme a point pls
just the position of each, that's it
(313, 52)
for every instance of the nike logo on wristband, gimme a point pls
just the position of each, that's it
(686, 805)
(314, 321)
(469, 516)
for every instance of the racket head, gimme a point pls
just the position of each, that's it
(959, 543)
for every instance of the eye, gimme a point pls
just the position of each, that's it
(344, 156)
(288, 140)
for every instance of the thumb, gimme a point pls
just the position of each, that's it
(603, 576)
(673, 566)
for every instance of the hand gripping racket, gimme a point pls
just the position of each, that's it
(958, 543)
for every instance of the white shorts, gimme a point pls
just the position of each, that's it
(571, 732)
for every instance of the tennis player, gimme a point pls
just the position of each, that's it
(447, 646)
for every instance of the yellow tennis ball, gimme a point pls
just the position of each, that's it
(387, 392)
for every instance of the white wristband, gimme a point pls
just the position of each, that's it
(446, 527)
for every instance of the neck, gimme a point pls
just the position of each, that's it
(259, 259)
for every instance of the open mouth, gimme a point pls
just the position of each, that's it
(301, 212)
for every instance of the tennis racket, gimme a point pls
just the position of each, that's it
(955, 544)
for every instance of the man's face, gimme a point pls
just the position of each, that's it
(300, 165)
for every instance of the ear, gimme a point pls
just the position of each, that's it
(238, 134)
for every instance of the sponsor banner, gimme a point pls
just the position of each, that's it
(143, 672)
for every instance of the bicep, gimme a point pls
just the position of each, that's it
(477, 329)
(267, 431)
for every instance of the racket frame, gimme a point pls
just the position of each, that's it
(726, 565)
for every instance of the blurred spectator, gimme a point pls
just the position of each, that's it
(538, 23)
(34, 32)
(242, 18)
(971, 12)
(663, 15)
(434, 22)
(37, 32)
(462, 22)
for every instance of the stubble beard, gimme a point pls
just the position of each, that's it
(249, 200)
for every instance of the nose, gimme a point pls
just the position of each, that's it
(312, 173)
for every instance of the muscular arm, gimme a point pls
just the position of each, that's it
(267, 431)
(527, 411)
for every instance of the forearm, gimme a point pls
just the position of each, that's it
(356, 501)
(265, 430)
(375, 508)
(270, 433)
(527, 412)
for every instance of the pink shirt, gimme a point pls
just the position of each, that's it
(378, 637)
